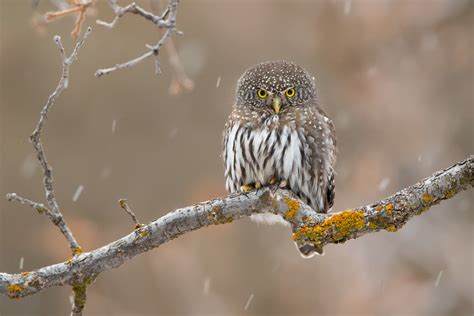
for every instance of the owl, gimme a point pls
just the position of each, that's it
(277, 133)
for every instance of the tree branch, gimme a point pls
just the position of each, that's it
(166, 20)
(308, 227)
(54, 212)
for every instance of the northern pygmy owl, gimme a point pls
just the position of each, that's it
(277, 133)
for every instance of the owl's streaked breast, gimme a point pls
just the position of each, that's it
(270, 151)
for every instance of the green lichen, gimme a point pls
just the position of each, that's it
(79, 289)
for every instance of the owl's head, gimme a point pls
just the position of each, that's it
(275, 86)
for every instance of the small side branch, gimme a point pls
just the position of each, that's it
(53, 210)
(124, 205)
(78, 6)
(166, 20)
(308, 227)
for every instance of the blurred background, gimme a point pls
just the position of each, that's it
(396, 76)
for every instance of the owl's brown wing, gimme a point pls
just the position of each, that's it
(322, 130)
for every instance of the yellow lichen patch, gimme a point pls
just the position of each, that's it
(25, 273)
(427, 199)
(424, 209)
(379, 208)
(391, 228)
(138, 226)
(293, 207)
(449, 194)
(340, 225)
(77, 251)
(216, 216)
(389, 208)
(373, 226)
(143, 233)
(15, 289)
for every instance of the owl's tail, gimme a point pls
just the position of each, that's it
(309, 250)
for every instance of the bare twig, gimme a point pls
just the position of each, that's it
(124, 205)
(37, 206)
(180, 78)
(53, 211)
(308, 227)
(166, 20)
(79, 7)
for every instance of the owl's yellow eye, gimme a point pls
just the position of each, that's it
(290, 93)
(262, 94)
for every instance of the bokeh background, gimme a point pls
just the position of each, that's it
(396, 76)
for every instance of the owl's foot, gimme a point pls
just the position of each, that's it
(250, 187)
(247, 188)
(272, 181)
(283, 184)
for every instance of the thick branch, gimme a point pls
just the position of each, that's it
(308, 227)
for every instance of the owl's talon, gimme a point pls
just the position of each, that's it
(273, 181)
(247, 188)
(258, 185)
(283, 184)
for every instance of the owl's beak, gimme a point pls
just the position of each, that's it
(276, 104)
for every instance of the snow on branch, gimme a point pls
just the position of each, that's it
(318, 229)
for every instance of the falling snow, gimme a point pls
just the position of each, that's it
(218, 83)
(114, 124)
(347, 7)
(22, 260)
(372, 71)
(276, 267)
(206, 285)
(28, 167)
(440, 274)
(173, 132)
(105, 173)
(249, 301)
(384, 184)
(77, 193)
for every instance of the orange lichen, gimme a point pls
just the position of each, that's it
(339, 226)
(25, 273)
(379, 208)
(293, 208)
(142, 232)
(427, 199)
(389, 208)
(14, 290)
